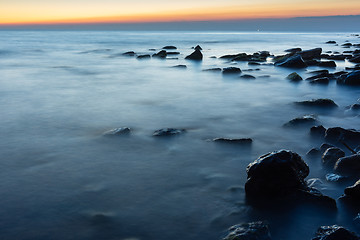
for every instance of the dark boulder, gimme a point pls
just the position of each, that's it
(346, 45)
(318, 131)
(301, 121)
(196, 55)
(295, 61)
(249, 231)
(326, 72)
(172, 53)
(314, 152)
(331, 155)
(118, 131)
(323, 81)
(353, 191)
(355, 59)
(294, 77)
(334, 232)
(321, 102)
(168, 132)
(293, 50)
(311, 54)
(348, 166)
(145, 56)
(198, 47)
(161, 54)
(330, 64)
(169, 47)
(338, 134)
(325, 146)
(231, 70)
(247, 76)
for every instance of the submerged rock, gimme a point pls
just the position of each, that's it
(169, 47)
(233, 140)
(300, 121)
(213, 70)
(323, 80)
(196, 55)
(117, 131)
(294, 77)
(348, 166)
(334, 232)
(331, 155)
(353, 78)
(321, 102)
(295, 61)
(180, 66)
(168, 132)
(353, 191)
(293, 50)
(249, 231)
(247, 76)
(231, 70)
(161, 54)
(130, 53)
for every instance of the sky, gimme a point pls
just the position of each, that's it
(135, 11)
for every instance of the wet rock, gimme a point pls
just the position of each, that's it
(145, 56)
(325, 146)
(196, 55)
(168, 132)
(321, 102)
(231, 70)
(330, 64)
(319, 75)
(338, 134)
(180, 66)
(117, 131)
(355, 59)
(249, 231)
(233, 140)
(325, 72)
(130, 53)
(254, 63)
(340, 57)
(353, 191)
(281, 175)
(292, 62)
(247, 76)
(213, 70)
(318, 131)
(314, 152)
(294, 77)
(334, 232)
(310, 54)
(346, 45)
(348, 166)
(161, 54)
(169, 47)
(323, 81)
(331, 155)
(293, 50)
(330, 42)
(300, 121)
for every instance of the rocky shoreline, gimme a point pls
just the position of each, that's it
(279, 177)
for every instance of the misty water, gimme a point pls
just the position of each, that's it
(61, 178)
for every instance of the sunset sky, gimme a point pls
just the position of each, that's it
(84, 11)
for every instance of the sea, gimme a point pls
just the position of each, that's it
(62, 178)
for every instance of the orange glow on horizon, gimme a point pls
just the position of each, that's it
(204, 14)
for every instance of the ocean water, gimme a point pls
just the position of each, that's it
(61, 178)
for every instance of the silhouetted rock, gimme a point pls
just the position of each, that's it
(247, 76)
(196, 55)
(145, 56)
(249, 231)
(331, 64)
(353, 191)
(231, 70)
(331, 155)
(321, 102)
(323, 81)
(318, 131)
(161, 54)
(311, 54)
(169, 47)
(301, 121)
(180, 66)
(338, 134)
(346, 45)
(198, 47)
(334, 232)
(294, 77)
(168, 132)
(118, 131)
(213, 70)
(293, 50)
(233, 140)
(348, 165)
(292, 62)
(330, 42)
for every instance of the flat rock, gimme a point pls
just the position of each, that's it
(322, 81)
(330, 64)
(231, 70)
(353, 78)
(294, 77)
(300, 121)
(321, 102)
(117, 131)
(355, 59)
(145, 56)
(130, 53)
(168, 132)
(233, 140)
(247, 76)
(334, 232)
(169, 47)
(180, 66)
(249, 231)
(330, 42)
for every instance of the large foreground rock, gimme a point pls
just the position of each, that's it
(348, 165)
(353, 79)
(280, 177)
(353, 191)
(338, 134)
(331, 155)
(334, 232)
(249, 231)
